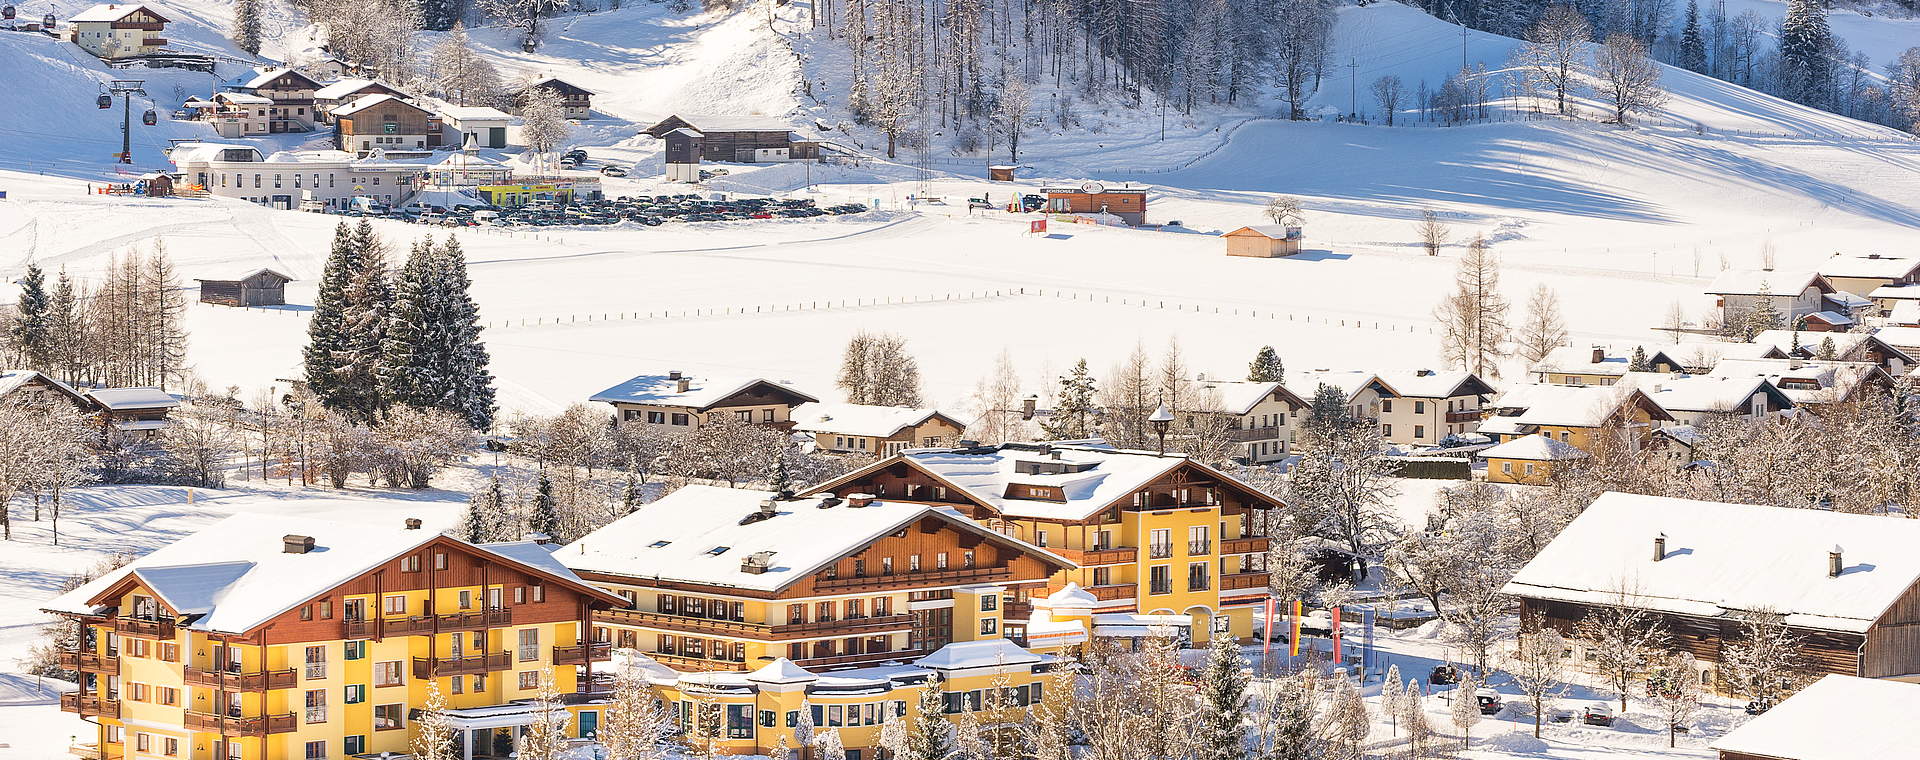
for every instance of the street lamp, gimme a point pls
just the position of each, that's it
(1161, 418)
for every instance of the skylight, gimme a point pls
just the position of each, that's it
(658, 544)
(717, 551)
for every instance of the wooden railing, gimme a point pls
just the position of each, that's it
(1085, 557)
(581, 654)
(428, 667)
(232, 681)
(1232, 581)
(161, 628)
(683, 662)
(89, 661)
(1114, 592)
(90, 704)
(845, 625)
(864, 658)
(1253, 434)
(458, 621)
(928, 577)
(752, 630)
(1244, 544)
(232, 726)
(1472, 415)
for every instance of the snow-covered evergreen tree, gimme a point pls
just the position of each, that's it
(1806, 53)
(1220, 731)
(1076, 412)
(31, 333)
(486, 515)
(246, 26)
(543, 122)
(441, 14)
(344, 335)
(636, 724)
(1267, 367)
(545, 516)
(1464, 710)
(929, 735)
(1693, 42)
(1347, 720)
(546, 736)
(433, 730)
(1390, 698)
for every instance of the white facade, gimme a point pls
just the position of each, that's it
(284, 180)
(486, 126)
(117, 31)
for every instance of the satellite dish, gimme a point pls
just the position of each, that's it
(1091, 187)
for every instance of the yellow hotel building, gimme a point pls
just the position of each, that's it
(282, 638)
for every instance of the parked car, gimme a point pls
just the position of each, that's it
(1490, 701)
(1444, 675)
(1597, 714)
(568, 162)
(1032, 202)
(611, 170)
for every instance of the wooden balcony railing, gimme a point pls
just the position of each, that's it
(90, 704)
(160, 628)
(457, 621)
(225, 725)
(1114, 592)
(1466, 416)
(753, 630)
(1244, 545)
(581, 654)
(1016, 610)
(1085, 557)
(84, 751)
(842, 626)
(428, 667)
(923, 578)
(1253, 434)
(145, 26)
(90, 662)
(240, 681)
(1233, 581)
(694, 664)
(865, 658)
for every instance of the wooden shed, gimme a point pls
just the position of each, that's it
(264, 287)
(1127, 203)
(743, 139)
(1265, 241)
(684, 146)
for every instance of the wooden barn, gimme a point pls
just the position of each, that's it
(261, 288)
(1265, 241)
(1846, 586)
(1127, 203)
(684, 146)
(576, 102)
(741, 139)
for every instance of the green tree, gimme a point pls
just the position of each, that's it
(1221, 729)
(31, 331)
(1076, 413)
(1267, 367)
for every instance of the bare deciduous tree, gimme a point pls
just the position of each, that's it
(1628, 78)
(1474, 316)
(1543, 329)
(1554, 55)
(1386, 92)
(1433, 232)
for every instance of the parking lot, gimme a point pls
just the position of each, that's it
(648, 210)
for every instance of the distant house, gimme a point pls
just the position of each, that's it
(1263, 241)
(742, 139)
(262, 287)
(486, 126)
(1855, 347)
(239, 114)
(576, 101)
(286, 180)
(115, 31)
(874, 430)
(380, 122)
(1261, 414)
(1889, 297)
(1861, 275)
(1528, 459)
(678, 401)
(1792, 295)
(1811, 382)
(346, 91)
(1362, 389)
(1847, 586)
(684, 148)
(1836, 718)
(140, 413)
(1427, 406)
(1573, 414)
(1599, 364)
(292, 96)
(329, 69)
(1127, 203)
(25, 386)
(1695, 399)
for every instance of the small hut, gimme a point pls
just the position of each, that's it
(1265, 241)
(263, 287)
(1000, 173)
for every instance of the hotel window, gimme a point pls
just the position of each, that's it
(168, 695)
(1386, 406)
(1040, 538)
(854, 609)
(316, 662)
(1197, 576)
(410, 563)
(466, 600)
(1102, 576)
(355, 693)
(796, 613)
(989, 602)
(354, 745)
(520, 597)
(387, 717)
(966, 558)
(355, 650)
(316, 706)
(1419, 431)
(766, 415)
(913, 563)
(940, 561)
(656, 418)
(989, 626)
(143, 742)
(387, 673)
(137, 692)
(326, 609)
(169, 651)
(1160, 580)
(1419, 407)
(529, 644)
(886, 565)
(458, 684)
(539, 594)
(882, 606)
(171, 747)
(439, 560)
(529, 679)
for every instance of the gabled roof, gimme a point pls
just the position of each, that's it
(562, 84)
(1832, 381)
(1615, 359)
(1725, 558)
(235, 575)
(1753, 282)
(710, 123)
(983, 653)
(1241, 396)
(1269, 231)
(1537, 448)
(475, 113)
(1707, 393)
(1899, 336)
(242, 98)
(697, 535)
(263, 77)
(703, 392)
(12, 379)
(1870, 266)
(862, 419)
(1836, 718)
(346, 87)
(365, 102)
(1843, 342)
(1426, 383)
(1568, 405)
(118, 399)
(114, 12)
(1350, 382)
(249, 275)
(1702, 355)
(1896, 292)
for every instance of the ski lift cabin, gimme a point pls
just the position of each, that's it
(263, 287)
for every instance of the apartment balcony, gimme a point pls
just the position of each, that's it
(429, 667)
(865, 658)
(84, 751)
(1016, 610)
(1159, 551)
(1466, 416)
(923, 578)
(687, 664)
(145, 26)
(1160, 588)
(89, 662)
(90, 705)
(159, 628)
(740, 629)
(225, 725)
(1244, 435)
(1232, 581)
(1200, 546)
(844, 626)
(457, 621)
(582, 654)
(1113, 592)
(239, 681)
(1086, 557)
(154, 42)
(1244, 545)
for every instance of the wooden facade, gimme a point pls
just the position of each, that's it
(391, 124)
(739, 144)
(576, 102)
(1130, 204)
(262, 288)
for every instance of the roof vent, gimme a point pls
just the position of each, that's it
(756, 563)
(766, 511)
(292, 544)
(858, 500)
(681, 385)
(538, 537)
(1659, 547)
(413, 523)
(673, 374)
(786, 494)
(828, 501)
(1834, 562)
(1423, 373)
(1599, 354)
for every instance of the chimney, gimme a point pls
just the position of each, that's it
(673, 374)
(1659, 547)
(1029, 406)
(1424, 373)
(768, 508)
(1834, 563)
(828, 501)
(1599, 354)
(297, 544)
(756, 563)
(538, 537)
(680, 385)
(859, 500)
(413, 523)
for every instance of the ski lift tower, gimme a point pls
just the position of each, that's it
(126, 89)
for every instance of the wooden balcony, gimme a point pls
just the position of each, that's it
(1244, 545)
(923, 578)
(84, 751)
(864, 658)
(233, 681)
(428, 667)
(694, 664)
(847, 626)
(1466, 416)
(89, 705)
(224, 725)
(581, 654)
(740, 629)
(159, 628)
(89, 662)
(1086, 557)
(154, 42)
(1232, 581)
(458, 621)
(1269, 433)
(1113, 592)
(145, 26)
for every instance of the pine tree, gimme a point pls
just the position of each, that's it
(1806, 53)
(344, 337)
(1267, 367)
(484, 512)
(327, 329)
(246, 26)
(1639, 363)
(928, 733)
(441, 14)
(1390, 698)
(467, 358)
(1076, 412)
(31, 331)
(1465, 709)
(411, 367)
(630, 495)
(1693, 44)
(67, 330)
(546, 517)
(1221, 727)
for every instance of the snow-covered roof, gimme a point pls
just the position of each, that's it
(734, 123)
(1905, 313)
(697, 535)
(1803, 380)
(365, 102)
(1072, 596)
(1871, 266)
(1241, 396)
(249, 275)
(1614, 358)
(1426, 383)
(342, 88)
(1536, 448)
(242, 98)
(1724, 558)
(263, 76)
(687, 132)
(1753, 282)
(1563, 405)
(1897, 292)
(1844, 343)
(12, 379)
(133, 398)
(1350, 382)
(235, 575)
(1836, 718)
(781, 670)
(859, 419)
(113, 12)
(201, 152)
(474, 113)
(1908, 337)
(1830, 317)
(555, 80)
(1104, 476)
(1705, 393)
(663, 389)
(1275, 231)
(984, 653)
(1849, 301)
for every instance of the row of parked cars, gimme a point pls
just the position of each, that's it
(650, 211)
